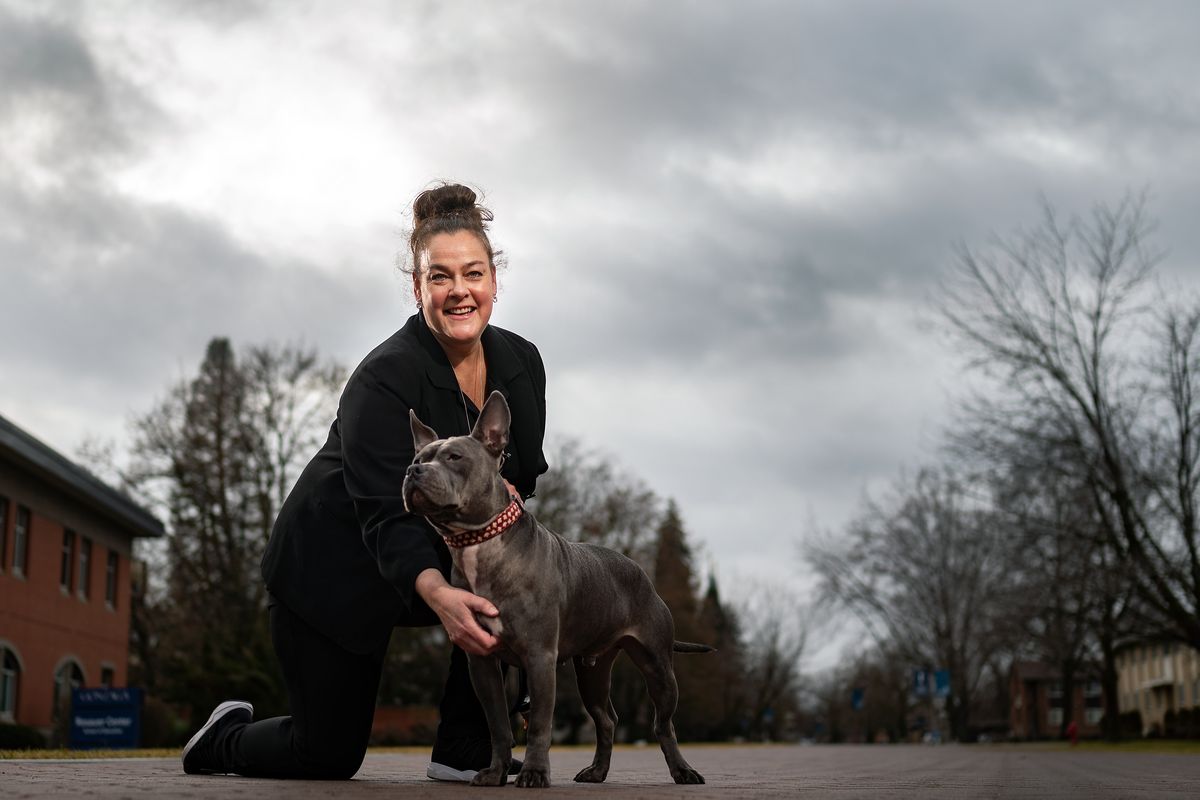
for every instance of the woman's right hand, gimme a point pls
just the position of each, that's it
(456, 608)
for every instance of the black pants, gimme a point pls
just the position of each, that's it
(331, 694)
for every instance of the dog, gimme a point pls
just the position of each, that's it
(557, 599)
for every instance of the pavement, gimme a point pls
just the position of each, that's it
(747, 771)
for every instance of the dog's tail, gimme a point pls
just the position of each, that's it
(692, 647)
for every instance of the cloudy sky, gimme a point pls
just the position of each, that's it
(724, 221)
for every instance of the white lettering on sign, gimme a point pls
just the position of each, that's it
(103, 726)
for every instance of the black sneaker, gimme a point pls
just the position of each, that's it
(459, 759)
(200, 756)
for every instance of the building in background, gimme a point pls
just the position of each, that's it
(66, 540)
(1037, 701)
(1157, 679)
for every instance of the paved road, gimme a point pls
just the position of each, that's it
(843, 772)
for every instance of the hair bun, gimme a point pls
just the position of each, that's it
(449, 200)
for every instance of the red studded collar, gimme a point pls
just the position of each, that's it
(502, 522)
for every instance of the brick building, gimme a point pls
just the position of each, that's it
(1037, 702)
(66, 540)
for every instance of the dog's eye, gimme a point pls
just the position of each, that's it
(453, 456)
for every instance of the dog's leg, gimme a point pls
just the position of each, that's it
(489, 688)
(594, 685)
(655, 666)
(540, 667)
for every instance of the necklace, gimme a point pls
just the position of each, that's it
(479, 368)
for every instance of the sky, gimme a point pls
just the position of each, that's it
(725, 223)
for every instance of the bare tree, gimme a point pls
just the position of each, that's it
(587, 497)
(1070, 597)
(929, 573)
(775, 625)
(1058, 316)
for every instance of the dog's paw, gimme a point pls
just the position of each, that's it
(686, 775)
(533, 778)
(592, 774)
(492, 776)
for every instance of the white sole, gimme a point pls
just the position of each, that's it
(218, 712)
(440, 772)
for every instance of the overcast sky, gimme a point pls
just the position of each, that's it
(724, 221)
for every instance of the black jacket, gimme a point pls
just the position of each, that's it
(344, 554)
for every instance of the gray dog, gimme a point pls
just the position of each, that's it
(557, 600)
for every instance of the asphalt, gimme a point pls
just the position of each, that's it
(880, 771)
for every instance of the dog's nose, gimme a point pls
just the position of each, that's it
(415, 469)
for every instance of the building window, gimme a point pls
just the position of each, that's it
(10, 679)
(110, 580)
(85, 567)
(1093, 715)
(3, 532)
(1055, 690)
(66, 570)
(21, 542)
(1054, 717)
(106, 676)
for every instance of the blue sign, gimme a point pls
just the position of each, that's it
(921, 682)
(106, 718)
(857, 696)
(941, 680)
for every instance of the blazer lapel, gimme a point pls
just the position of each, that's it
(446, 410)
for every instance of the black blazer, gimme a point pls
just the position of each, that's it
(344, 555)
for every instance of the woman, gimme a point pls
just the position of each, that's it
(346, 563)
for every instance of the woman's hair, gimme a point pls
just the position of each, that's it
(447, 208)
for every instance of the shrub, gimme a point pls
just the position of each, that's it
(20, 737)
(1129, 725)
(1170, 729)
(161, 726)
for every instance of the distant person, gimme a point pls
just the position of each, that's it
(346, 563)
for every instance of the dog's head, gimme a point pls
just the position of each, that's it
(457, 480)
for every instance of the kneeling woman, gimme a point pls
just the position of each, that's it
(346, 563)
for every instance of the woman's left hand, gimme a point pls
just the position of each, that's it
(456, 608)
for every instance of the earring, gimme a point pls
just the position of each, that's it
(495, 299)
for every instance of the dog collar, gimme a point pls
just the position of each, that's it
(503, 521)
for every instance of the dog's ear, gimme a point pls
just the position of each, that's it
(422, 433)
(491, 429)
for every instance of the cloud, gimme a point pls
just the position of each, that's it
(723, 221)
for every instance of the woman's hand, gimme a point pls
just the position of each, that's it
(456, 608)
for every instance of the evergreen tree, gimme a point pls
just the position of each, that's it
(217, 456)
(676, 584)
(725, 684)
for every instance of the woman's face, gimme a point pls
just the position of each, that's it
(454, 283)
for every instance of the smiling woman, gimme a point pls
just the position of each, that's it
(454, 278)
(347, 562)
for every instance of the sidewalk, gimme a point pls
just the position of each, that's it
(901, 771)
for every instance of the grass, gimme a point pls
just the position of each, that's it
(62, 753)
(1182, 747)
